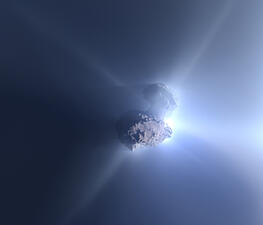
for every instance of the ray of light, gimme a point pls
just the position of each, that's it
(96, 186)
(206, 42)
(50, 29)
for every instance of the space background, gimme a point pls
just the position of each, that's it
(69, 69)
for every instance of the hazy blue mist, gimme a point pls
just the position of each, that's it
(69, 69)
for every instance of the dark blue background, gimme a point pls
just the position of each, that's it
(70, 68)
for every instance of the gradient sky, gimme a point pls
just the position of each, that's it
(69, 69)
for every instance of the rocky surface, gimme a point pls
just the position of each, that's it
(139, 129)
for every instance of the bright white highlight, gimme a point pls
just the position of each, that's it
(170, 121)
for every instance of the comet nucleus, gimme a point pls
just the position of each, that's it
(138, 129)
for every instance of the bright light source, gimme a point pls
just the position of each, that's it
(170, 122)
